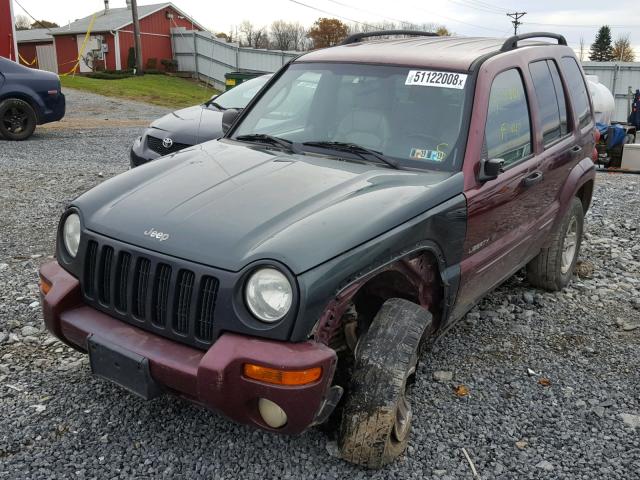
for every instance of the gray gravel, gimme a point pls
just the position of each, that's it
(553, 379)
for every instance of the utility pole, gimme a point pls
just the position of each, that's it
(516, 17)
(137, 43)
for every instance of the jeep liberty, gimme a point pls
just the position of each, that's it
(291, 273)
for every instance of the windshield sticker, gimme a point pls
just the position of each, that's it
(436, 155)
(428, 78)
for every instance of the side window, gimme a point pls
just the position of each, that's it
(508, 128)
(562, 101)
(548, 102)
(577, 89)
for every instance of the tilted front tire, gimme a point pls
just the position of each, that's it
(553, 267)
(376, 420)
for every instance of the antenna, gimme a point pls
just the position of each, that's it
(516, 20)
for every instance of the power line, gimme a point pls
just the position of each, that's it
(32, 17)
(373, 13)
(457, 21)
(330, 13)
(516, 20)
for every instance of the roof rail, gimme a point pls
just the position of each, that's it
(356, 37)
(512, 42)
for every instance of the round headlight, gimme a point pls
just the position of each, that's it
(268, 294)
(71, 234)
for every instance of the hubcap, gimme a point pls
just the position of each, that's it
(569, 245)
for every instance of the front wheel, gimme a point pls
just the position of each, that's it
(553, 267)
(376, 420)
(17, 119)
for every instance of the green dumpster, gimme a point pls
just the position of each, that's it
(233, 79)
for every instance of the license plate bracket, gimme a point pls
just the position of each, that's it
(123, 367)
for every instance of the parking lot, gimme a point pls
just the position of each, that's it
(552, 378)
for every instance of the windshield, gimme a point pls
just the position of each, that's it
(413, 116)
(238, 97)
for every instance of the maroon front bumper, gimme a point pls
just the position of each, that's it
(213, 378)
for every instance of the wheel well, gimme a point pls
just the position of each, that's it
(415, 278)
(584, 194)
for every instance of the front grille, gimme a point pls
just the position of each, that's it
(151, 293)
(156, 145)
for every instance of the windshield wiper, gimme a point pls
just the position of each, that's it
(362, 152)
(287, 145)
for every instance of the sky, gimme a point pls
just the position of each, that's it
(572, 18)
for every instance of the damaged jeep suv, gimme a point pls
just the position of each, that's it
(292, 272)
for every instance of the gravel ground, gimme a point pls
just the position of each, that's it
(571, 416)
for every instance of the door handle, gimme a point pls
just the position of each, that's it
(576, 149)
(535, 177)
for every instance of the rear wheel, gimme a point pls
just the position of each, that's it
(376, 420)
(553, 267)
(17, 119)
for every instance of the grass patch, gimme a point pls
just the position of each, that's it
(172, 92)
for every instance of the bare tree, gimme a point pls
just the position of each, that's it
(286, 35)
(23, 22)
(622, 50)
(582, 49)
(253, 36)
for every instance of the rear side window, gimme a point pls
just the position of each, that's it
(550, 101)
(577, 89)
(508, 129)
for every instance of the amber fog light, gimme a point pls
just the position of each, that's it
(271, 413)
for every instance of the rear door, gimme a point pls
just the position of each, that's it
(554, 137)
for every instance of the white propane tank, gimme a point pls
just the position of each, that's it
(603, 102)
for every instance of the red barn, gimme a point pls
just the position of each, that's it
(36, 49)
(8, 46)
(111, 37)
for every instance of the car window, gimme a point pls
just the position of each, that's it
(410, 115)
(560, 95)
(547, 101)
(240, 96)
(578, 89)
(285, 106)
(508, 128)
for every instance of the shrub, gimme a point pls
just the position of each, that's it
(108, 76)
(152, 64)
(131, 59)
(169, 65)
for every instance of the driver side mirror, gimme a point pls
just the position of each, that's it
(229, 116)
(490, 169)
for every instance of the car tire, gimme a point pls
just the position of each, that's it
(553, 268)
(17, 119)
(376, 419)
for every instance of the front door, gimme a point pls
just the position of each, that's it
(503, 213)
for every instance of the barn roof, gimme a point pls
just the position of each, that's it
(114, 19)
(33, 35)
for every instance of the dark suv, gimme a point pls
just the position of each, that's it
(291, 273)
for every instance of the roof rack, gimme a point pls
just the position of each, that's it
(512, 42)
(356, 37)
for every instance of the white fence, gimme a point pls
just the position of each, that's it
(622, 78)
(211, 58)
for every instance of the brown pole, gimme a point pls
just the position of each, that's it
(136, 36)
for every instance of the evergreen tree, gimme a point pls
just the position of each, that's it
(601, 49)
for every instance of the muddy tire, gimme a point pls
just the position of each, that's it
(553, 267)
(376, 420)
(17, 119)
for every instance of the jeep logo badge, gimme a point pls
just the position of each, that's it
(167, 143)
(153, 233)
